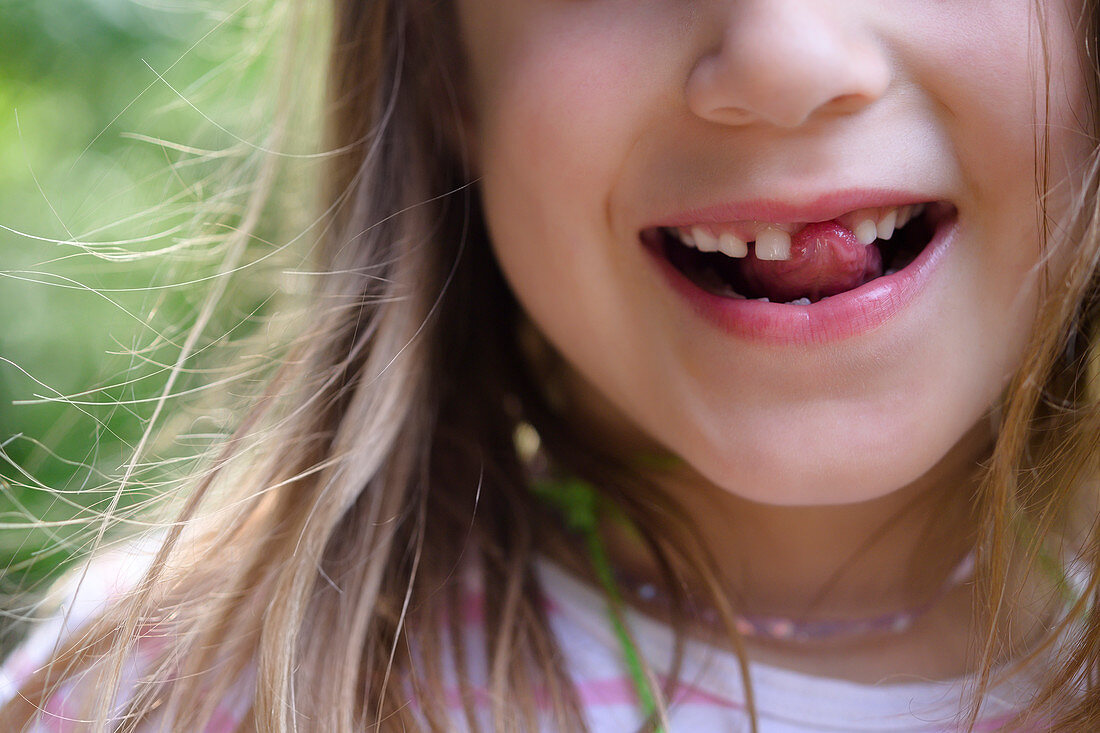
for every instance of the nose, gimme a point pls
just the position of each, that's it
(782, 62)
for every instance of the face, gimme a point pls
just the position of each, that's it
(604, 131)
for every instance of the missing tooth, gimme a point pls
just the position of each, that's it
(721, 275)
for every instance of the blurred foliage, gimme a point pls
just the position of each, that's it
(109, 235)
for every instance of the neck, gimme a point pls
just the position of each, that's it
(817, 562)
(850, 561)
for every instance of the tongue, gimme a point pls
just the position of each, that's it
(826, 259)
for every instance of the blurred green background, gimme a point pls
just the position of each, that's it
(117, 119)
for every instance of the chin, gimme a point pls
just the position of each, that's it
(821, 473)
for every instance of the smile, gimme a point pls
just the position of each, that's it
(804, 281)
(773, 241)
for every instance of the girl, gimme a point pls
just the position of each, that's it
(680, 366)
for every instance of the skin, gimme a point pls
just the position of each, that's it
(591, 119)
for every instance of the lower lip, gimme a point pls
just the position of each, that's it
(835, 318)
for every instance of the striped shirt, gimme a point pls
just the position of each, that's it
(709, 698)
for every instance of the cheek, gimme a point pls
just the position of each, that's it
(562, 90)
(551, 135)
(990, 100)
(561, 98)
(1003, 79)
(979, 73)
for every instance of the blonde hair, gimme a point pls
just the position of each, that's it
(381, 455)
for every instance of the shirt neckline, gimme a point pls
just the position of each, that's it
(781, 694)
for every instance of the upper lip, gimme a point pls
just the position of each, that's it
(818, 207)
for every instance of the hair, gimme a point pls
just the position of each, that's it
(380, 458)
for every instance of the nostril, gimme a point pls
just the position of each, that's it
(729, 115)
(776, 66)
(848, 102)
(717, 100)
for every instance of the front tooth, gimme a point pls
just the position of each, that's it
(773, 244)
(887, 223)
(732, 246)
(704, 240)
(866, 232)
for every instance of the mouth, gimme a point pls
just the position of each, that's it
(799, 263)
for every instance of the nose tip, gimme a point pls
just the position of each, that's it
(782, 62)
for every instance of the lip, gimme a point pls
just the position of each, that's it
(838, 317)
(824, 207)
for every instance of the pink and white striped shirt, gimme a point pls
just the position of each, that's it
(710, 697)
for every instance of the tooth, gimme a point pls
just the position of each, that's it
(887, 223)
(773, 244)
(799, 301)
(729, 292)
(704, 240)
(917, 211)
(904, 214)
(685, 236)
(866, 232)
(730, 245)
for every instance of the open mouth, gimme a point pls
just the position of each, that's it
(800, 264)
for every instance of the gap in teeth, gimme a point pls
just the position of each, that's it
(712, 278)
(773, 240)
